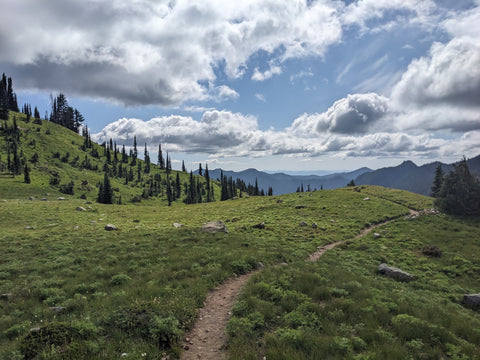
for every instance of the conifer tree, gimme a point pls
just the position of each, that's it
(184, 169)
(437, 181)
(200, 171)
(257, 191)
(460, 192)
(26, 174)
(161, 160)
(105, 192)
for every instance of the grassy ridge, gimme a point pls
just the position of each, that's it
(59, 151)
(104, 281)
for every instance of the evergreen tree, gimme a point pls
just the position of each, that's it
(178, 186)
(147, 160)
(36, 113)
(257, 191)
(169, 192)
(105, 192)
(460, 192)
(161, 160)
(270, 191)
(135, 152)
(350, 184)
(26, 174)
(200, 171)
(3, 98)
(184, 169)
(437, 181)
(207, 181)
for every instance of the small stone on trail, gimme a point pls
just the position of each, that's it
(110, 227)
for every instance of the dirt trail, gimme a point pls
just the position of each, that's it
(207, 339)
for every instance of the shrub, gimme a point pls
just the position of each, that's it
(119, 279)
(432, 251)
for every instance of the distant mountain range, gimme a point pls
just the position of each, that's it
(406, 176)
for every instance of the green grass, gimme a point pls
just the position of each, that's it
(57, 256)
(341, 308)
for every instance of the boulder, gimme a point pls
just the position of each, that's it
(376, 235)
(299, 206)
(177, 225)
(366, 199)
(214, 227)
(395, 273)
(44, 199)
(314, 225)
(60, 198)
(110, 227)
(32, 198)
(81, 208)
(471, 301)
(303, 223)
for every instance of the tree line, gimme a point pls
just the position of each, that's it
(457, 192)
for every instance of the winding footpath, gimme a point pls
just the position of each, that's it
(208, 337)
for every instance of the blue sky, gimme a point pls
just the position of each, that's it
(277, 85)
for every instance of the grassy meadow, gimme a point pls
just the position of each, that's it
(69, 289)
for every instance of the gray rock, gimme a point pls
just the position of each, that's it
(303, 223)
(259, 226)
(376, 235)
(366, 199)
(28, 228)
(214, 227)
(6, 296)
(314, 225)
(299, 206)
(57, 309)
(60, 198)
(177, 225)
(110, 227)
(81, 208)
(395, 273)
(471, 301)
(34, 329)
(44, 199)
(32, 198)
(260, 265)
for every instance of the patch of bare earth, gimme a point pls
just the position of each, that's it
(208, 337)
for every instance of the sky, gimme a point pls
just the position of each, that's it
(277, 85)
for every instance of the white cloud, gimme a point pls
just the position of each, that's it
(259, 76)
(354, 114)
(261, 97)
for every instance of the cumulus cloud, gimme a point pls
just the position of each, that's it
(217, 131)
(164, 52)
(356, 113)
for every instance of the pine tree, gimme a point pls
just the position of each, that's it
(135, 152)
(184, 169)
(161, 160)
(207, 181)
(200, 171)
(460, 192)
(437, 181)
(26, 174)
(147, 160)
(257, 191)
(105, 192)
